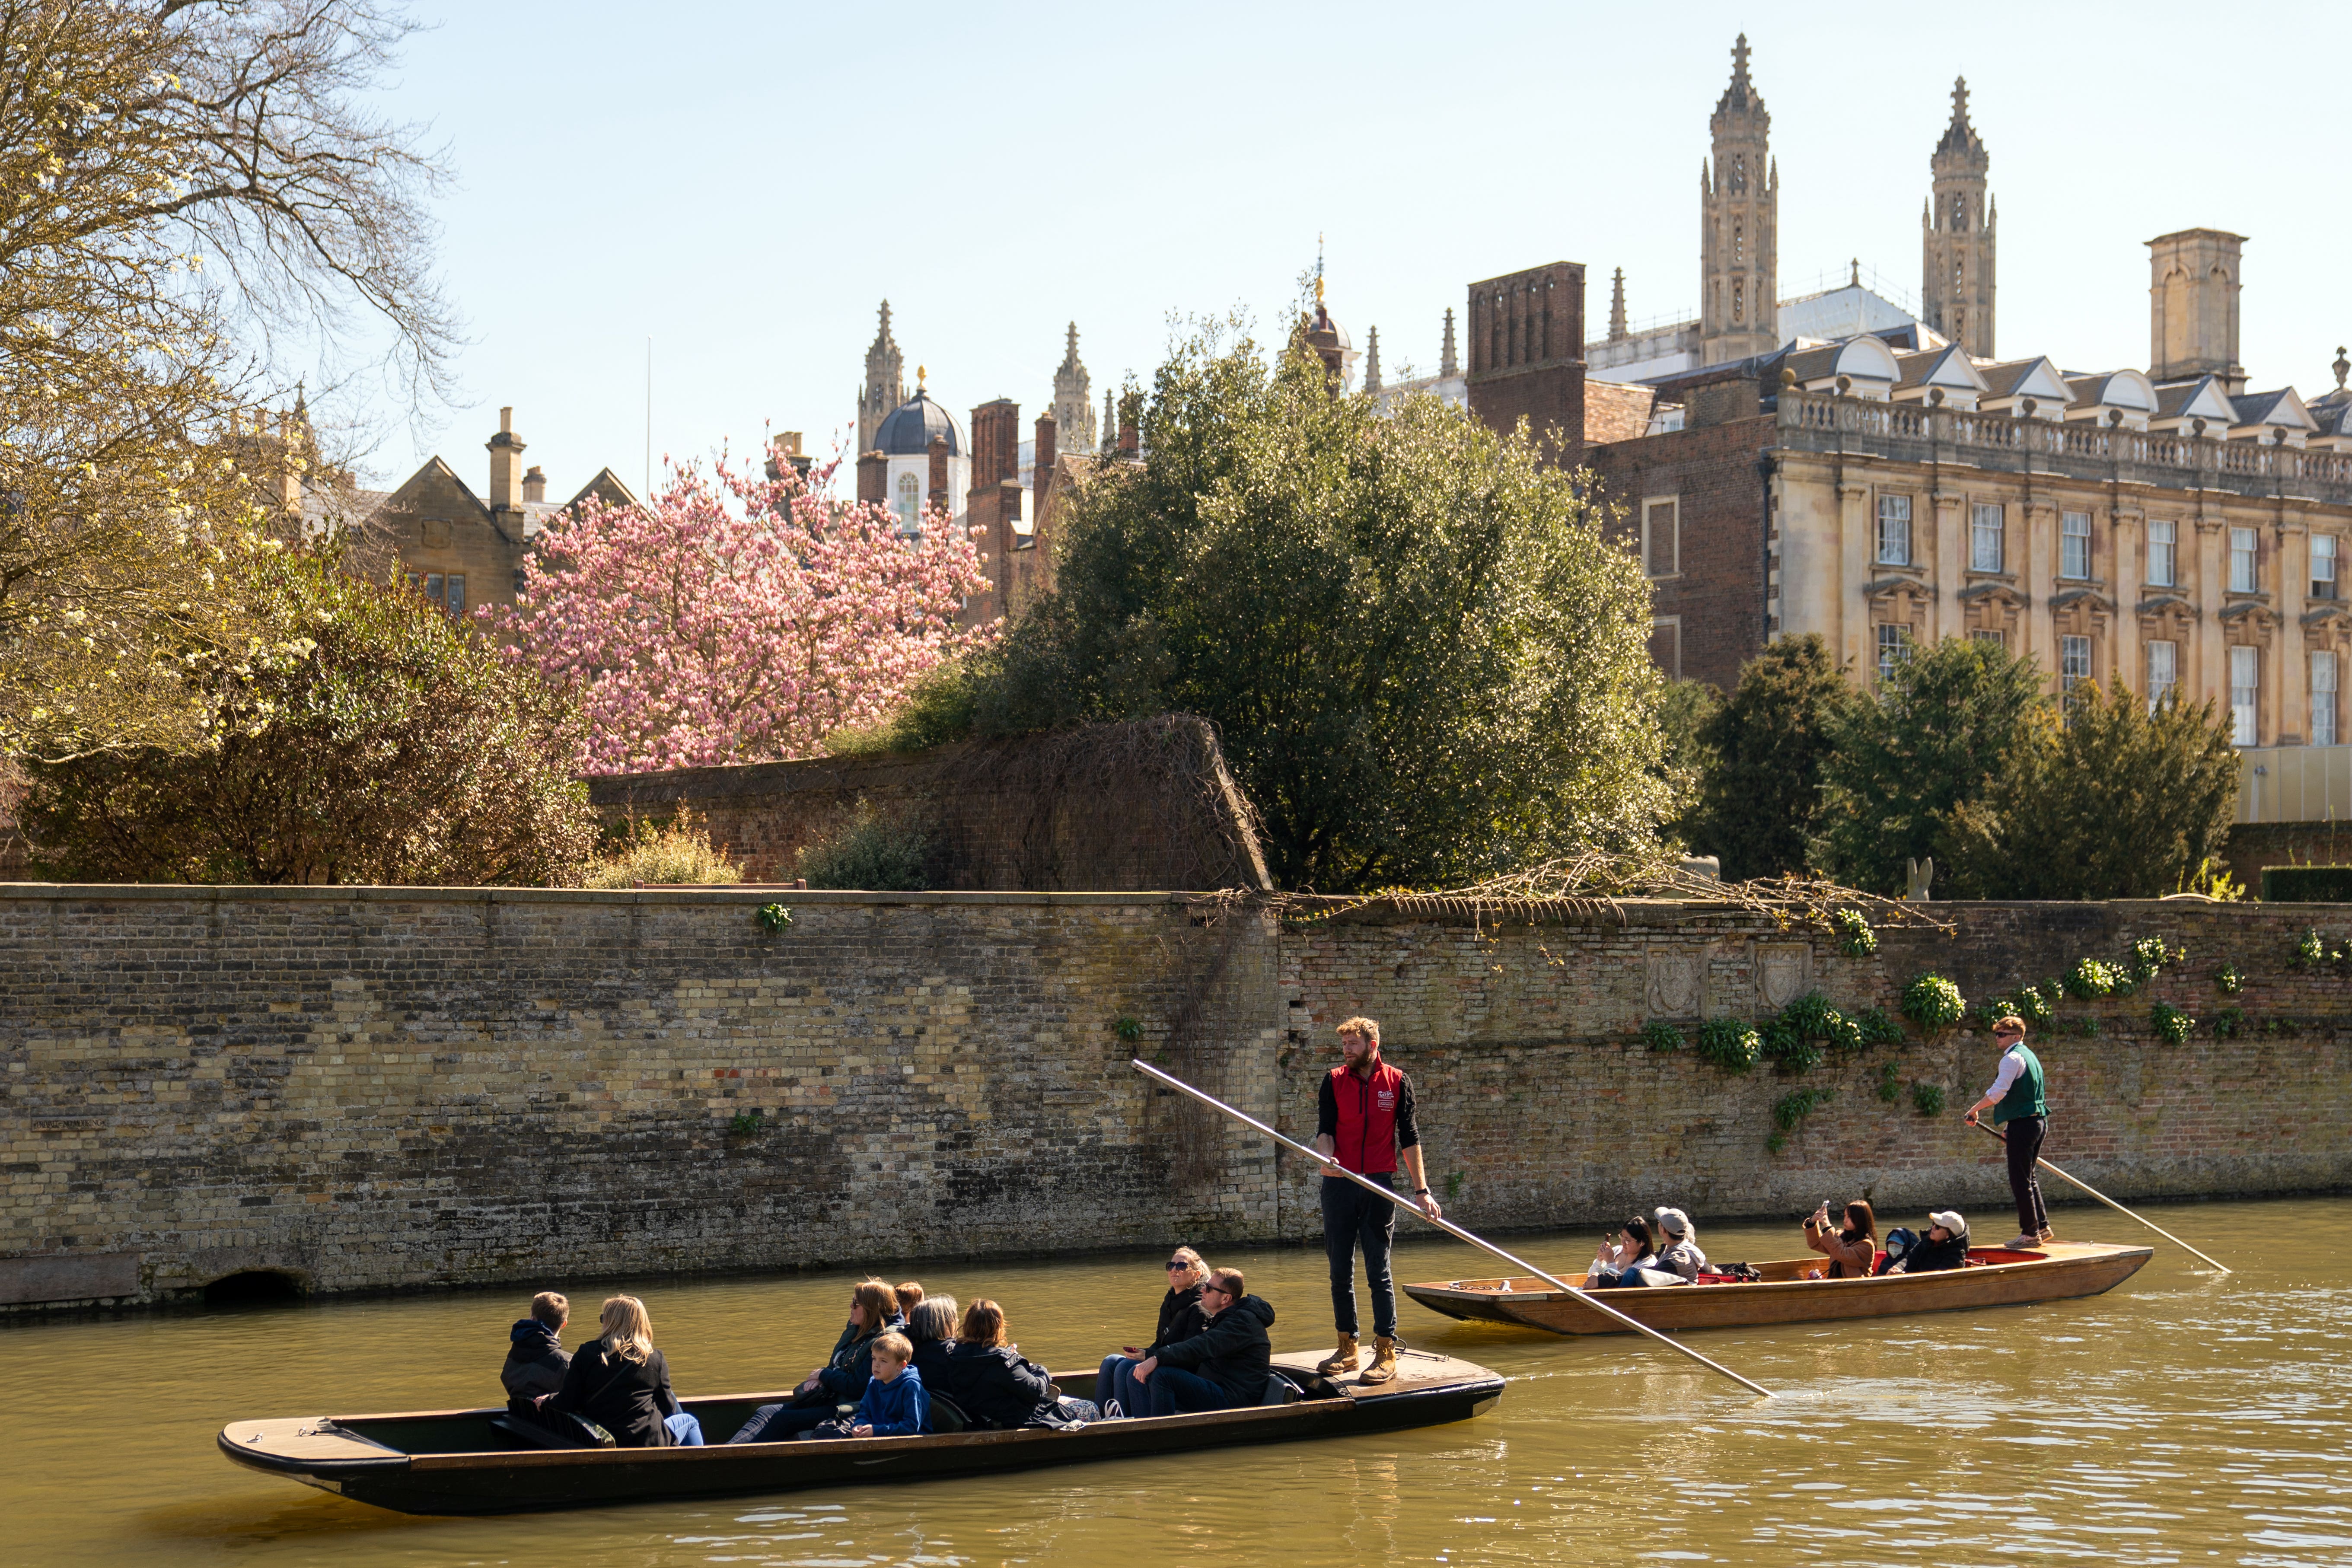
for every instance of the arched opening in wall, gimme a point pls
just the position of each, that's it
(255, 1288)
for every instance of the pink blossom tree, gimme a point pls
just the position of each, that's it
(737, 619)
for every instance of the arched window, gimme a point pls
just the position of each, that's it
(910, 502)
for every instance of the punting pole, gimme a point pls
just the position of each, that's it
(1446, 1225)
(2108, 1201)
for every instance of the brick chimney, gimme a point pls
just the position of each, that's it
(534, 485)
(873, 476)
(506, 463)
(939, 453)
(995, 444)
(1047, 429)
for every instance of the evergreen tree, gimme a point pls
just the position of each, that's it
(2113, 802)
(1943, 719)
(1758, 805)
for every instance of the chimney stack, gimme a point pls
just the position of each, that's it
(995, 443)
(1048, 430)
(506, 464)
(534, 485)
(2193, 284)
(938, 491)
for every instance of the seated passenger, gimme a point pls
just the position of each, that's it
(535, 1355)
(1635, 1249)
(1946, 1246)
(1680, 1253)
(1223, 1367)
(1851, 1251)
(621, 1383)
(894, 1403)
(1180, 1318)
(988, 1378)
(931, 1329)
(873, 1312)
(910, 1296)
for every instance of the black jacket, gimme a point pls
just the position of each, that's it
(535, 1362)
(1180, 1318)
(1927, 1255)
(626, 1400)
(1233, 1352)
(931, 1359)
(995, 1387)
(844, 1377)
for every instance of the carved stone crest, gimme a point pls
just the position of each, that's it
(1784, 971)
(1674, 985)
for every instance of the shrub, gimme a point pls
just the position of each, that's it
(1791, 1110)
(676, 853)
(2306, 884)
(2230, 1021)
(2171, 1025)
(2034, 1005)
(775, 917)
(1878, 1029)
(1127, 1028)
(2149, 956)
(1661, 1035)
(2311, 950)
(2086, 1027)
(1928, 1099)
(747, 1124)
(1810, 1014)
(1856, 939)
(1933, 1003)
(2229, 979)
(1729, 1044)
(1789, 1050)
(2090, 978)
(871, 849)
(1890, 1083)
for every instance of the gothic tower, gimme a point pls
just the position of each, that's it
(1739, 221)
(1073, 416)
(886, 384)
(1956, 236)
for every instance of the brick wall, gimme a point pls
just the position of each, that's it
(2254, 844)
(371, 1089)
(1714, 602)
(1527, 354)
(1118, 808)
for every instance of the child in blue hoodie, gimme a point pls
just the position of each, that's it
(895, 1405)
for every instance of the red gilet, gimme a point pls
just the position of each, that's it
(1365, 1139)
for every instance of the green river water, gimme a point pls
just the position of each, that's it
(2179, 1418)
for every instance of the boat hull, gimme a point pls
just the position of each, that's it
(385, 1459)
(2060, 1271)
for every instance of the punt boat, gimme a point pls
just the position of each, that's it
(1995, 1277)
(465, 1462)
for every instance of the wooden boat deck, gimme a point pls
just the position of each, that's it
(1997, 1278)
(455, 1462)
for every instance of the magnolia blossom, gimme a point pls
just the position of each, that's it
(737, 619)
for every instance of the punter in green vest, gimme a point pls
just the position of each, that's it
(2021, 1117)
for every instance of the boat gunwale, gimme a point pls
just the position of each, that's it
(1748, 1289)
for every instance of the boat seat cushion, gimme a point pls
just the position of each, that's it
(1279, 1390)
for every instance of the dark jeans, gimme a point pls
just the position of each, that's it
(1353, 1218)
(1175, 1392)
(781, 1423)
(2024, 1135)
(1116, 1380)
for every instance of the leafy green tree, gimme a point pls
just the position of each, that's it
(366, 739)
(1758, 803)
(1684, 710)
(2113, 801)
(1424, 661)
(1941, 722)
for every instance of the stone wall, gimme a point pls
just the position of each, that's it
(1125, 808)
(390, 1087)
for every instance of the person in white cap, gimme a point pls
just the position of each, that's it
(1946, 1246)
(1678, 1250)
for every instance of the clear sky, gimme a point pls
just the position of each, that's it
(742, 184)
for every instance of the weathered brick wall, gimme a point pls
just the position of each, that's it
(2254, 844)
(388, 1087)
(1541, 1106)
(1123, 807)
(385, 1088)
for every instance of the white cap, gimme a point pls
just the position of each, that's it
(1951, 1220)
(1674, 1222)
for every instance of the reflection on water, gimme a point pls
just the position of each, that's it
(2177, 1419)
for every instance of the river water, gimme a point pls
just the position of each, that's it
(2181, 1419)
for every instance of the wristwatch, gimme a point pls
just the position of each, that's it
(1419, 1192)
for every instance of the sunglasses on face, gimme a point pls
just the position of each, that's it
(1178, 1262)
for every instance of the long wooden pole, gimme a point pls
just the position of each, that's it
(1331, 1168)
(2111, 1203)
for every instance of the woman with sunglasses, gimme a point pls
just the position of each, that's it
(1180, 1318)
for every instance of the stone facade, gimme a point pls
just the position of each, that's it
(390, 1088)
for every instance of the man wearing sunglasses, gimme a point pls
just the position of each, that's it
(1224, 1366)
(1364, 1122)
(2022, 1115)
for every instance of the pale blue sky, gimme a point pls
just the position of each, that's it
(744, 183)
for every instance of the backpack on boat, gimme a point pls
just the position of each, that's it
(1067, 1413)
(546, 1427)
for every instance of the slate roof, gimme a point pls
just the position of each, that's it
(907, 431)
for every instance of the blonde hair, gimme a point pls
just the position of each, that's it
(1200, 1264)
(1370, 1029)
(628, 1330)
(895, 1347)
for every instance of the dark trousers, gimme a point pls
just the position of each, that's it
(1353, 1218)
(781, 1423)
(1175, 1392)
(2024, 1135)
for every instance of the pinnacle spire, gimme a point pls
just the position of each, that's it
(1447, 365)
(1372, 359)
(1617, 305)
(1959, 136)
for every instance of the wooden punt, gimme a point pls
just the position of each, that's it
(1996, 1277)
(452, 1461)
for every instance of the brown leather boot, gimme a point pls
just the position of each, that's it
(1341, 1362)
(1383, 1365)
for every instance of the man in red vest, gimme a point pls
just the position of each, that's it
(1363, 1122)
